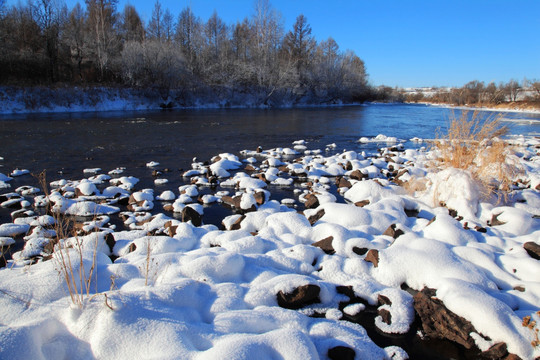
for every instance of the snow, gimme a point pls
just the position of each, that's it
(181, 291)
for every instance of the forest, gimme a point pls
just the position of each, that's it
(525, 93)
(178, 56)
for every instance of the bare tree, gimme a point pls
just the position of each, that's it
(50, 16)
(299, 44)
(168, 26)
(74, 37)
(103, 36)
(154, 30)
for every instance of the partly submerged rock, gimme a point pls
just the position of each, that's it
(439, 322)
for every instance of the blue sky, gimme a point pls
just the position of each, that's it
(408, 43)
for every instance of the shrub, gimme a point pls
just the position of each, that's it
(474, 144)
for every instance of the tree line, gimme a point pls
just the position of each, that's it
(479, 93)
(43, 42)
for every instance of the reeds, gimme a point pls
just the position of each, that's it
(474, 144)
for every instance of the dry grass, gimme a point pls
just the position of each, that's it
(70, 258)
(474, 144)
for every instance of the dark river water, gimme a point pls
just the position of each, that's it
(72, 142)
(65, 144)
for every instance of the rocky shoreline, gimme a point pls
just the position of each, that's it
(367, 235)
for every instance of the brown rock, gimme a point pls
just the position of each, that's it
(439, 322)
(533, 249)
(386, 316)
(497, 351)
(341, 353)
(232, 201)
(393, 231)
(311, 201)
(283, 168)
(236, 224)
(383, 300)
(362, 203)
(495, 220)
(260, 198)
(326, 245)
(168, 207)
(249, 168)
(372, 256)
(132, 247)
(341, 182)
(301, 296)
(358, 175)
(190, 214)
(314, 218)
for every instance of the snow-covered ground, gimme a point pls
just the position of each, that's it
(260, 288)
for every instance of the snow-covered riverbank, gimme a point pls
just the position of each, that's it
(274, 282)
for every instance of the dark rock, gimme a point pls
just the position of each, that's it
(386, 316)
(362, 203)
(453, 213)
(190, 214)
(533, 249)
(132, 247)
(359, 251)
(383, 300)
(326, 245)
(341, 353)
(495, 220)
(110, 241)
(439, 322)
(519, 288)
(301, 296)
(358, 175)
(480, 229)
(156, 173)
(311, 201)
(372, 256)
(393, 232)
(314, 218)
(412, 213)
(259, 149)
(497, 351)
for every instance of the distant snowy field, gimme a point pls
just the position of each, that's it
(260, 287)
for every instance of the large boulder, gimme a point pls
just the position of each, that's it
(439, 322)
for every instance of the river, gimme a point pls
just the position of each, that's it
(65, 144)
